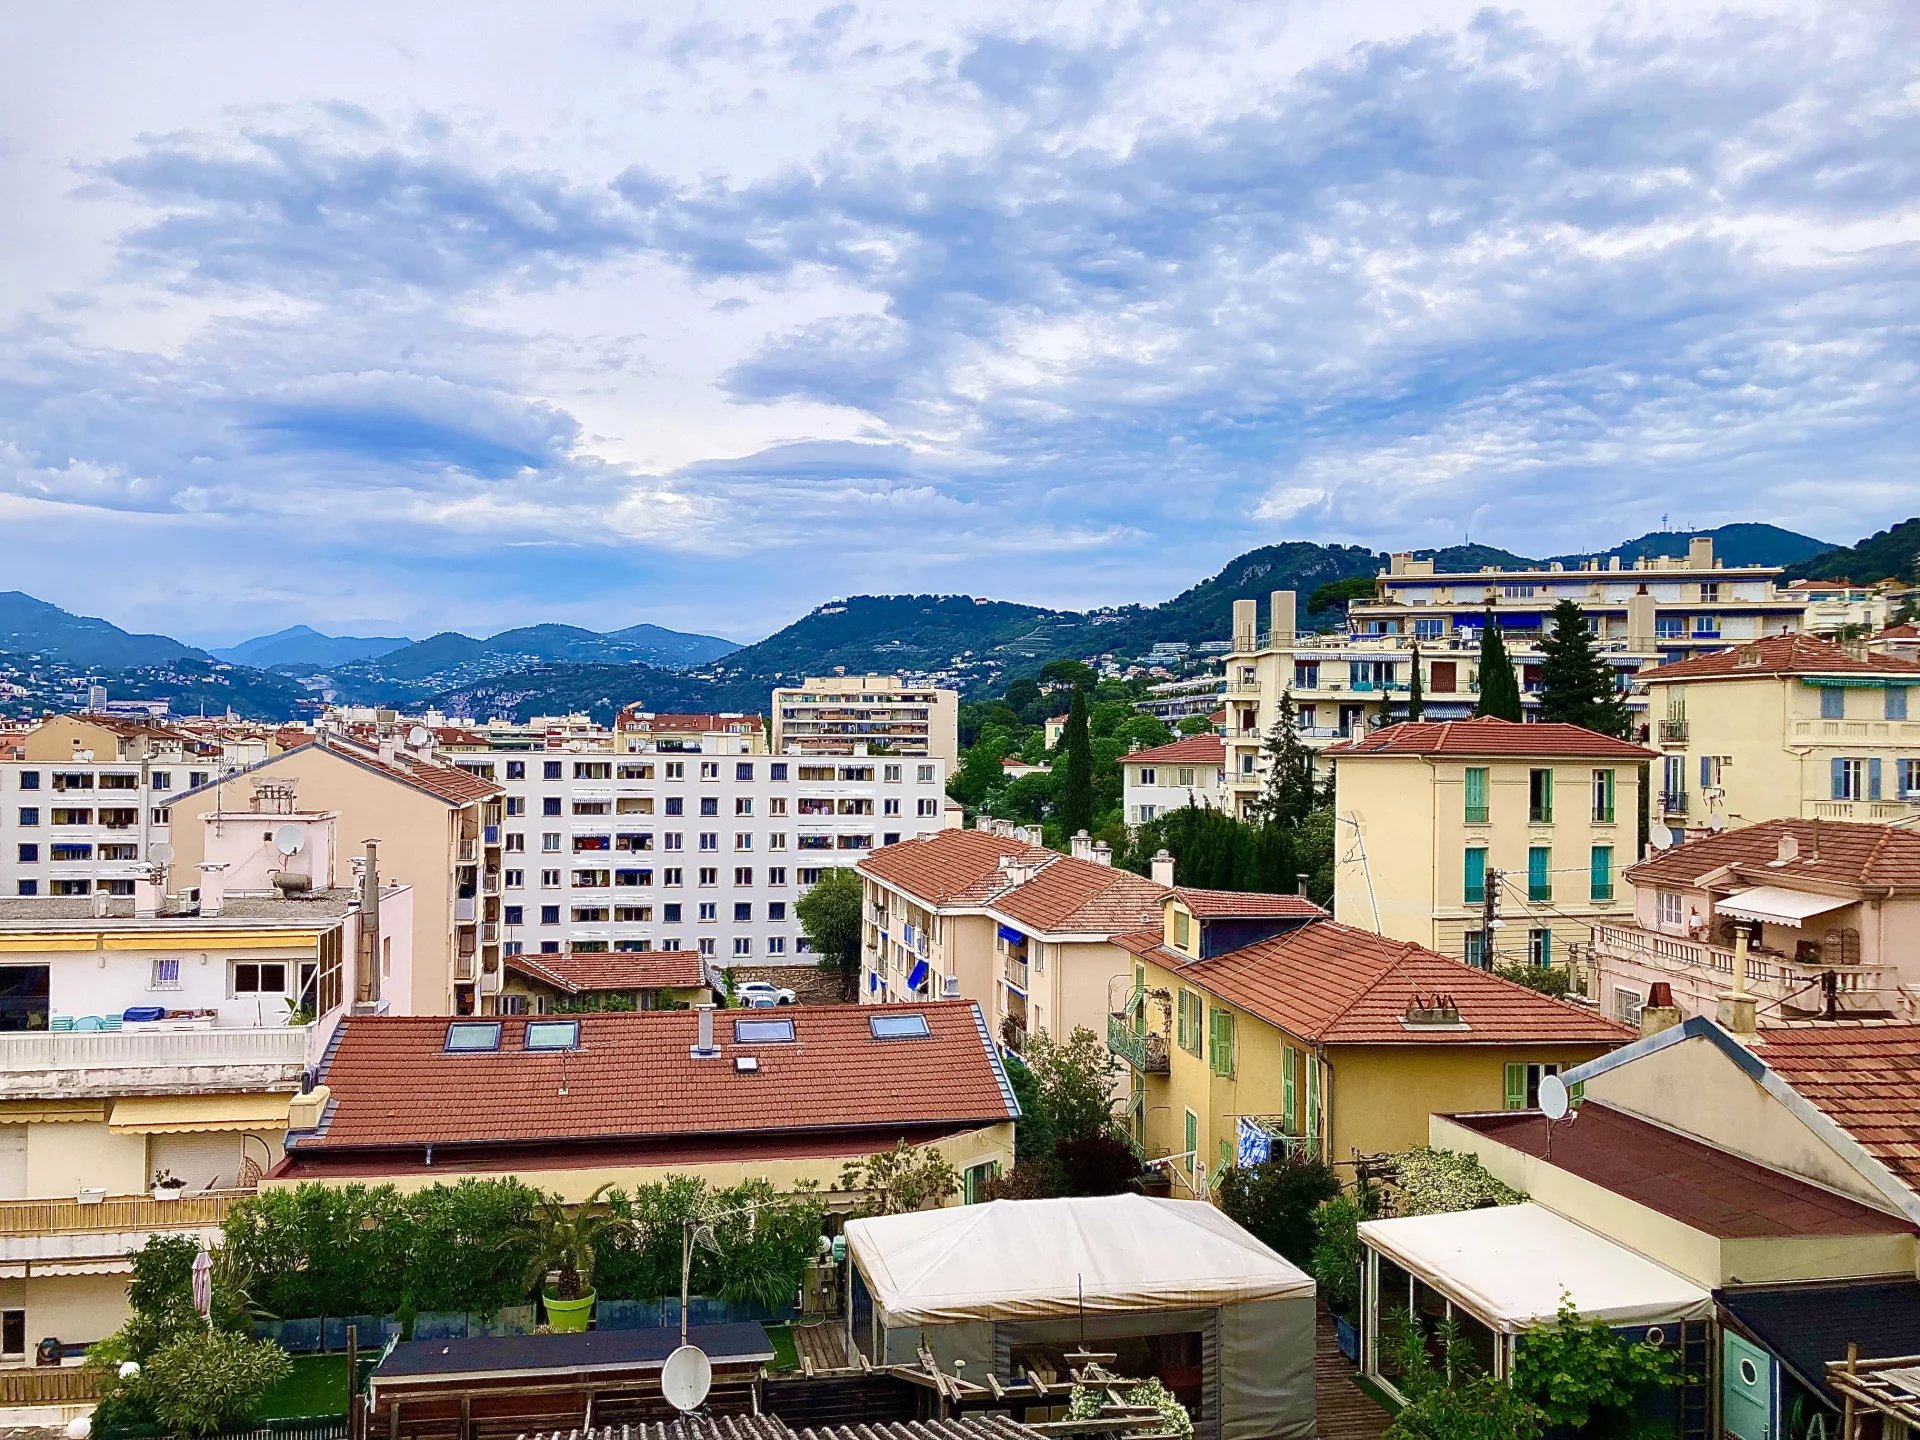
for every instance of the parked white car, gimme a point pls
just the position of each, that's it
(761, 994)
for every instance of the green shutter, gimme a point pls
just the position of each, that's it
(1193, 1139)
(1313, 1098)
(1600, 876)
(1286, 1089)
(1476, 797)
(1603, 797)
(1516, 1086)
(1540, 873)
(1221, 1054)
(1546, 796)
(1474, 892)
(1226, 1159)
(1185, 1042)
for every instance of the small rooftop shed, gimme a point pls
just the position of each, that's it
(1173, 1288)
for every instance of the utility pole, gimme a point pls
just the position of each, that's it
(1489, 917)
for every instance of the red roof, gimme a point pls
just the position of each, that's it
(578, 973)
(1330, 983)
(633, 1076)
(950, 867)
(1486, 736)
(1834, 851)
(1076, 897)
(1780, 655)
(1906, 631)
(1245, 904)
(1864, 1076)
(1191, 750)
(633, 717)
(444, 782)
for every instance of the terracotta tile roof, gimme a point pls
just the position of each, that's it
(1190, 750)
(1700, 1185)
(578, 973)
(444, 782)
(1907, 631)
(1078, 897)
(460, 735)
(1328, 982)
(633, 717)
(950, 867)
(632, 1077)
(1864, 1076)
(1225, 904)
(1487, 736)
(1779, 655)
(1848, 854)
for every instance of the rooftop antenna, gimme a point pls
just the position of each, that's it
(1554, 1104)
(686, 1378)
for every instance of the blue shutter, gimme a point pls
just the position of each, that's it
(1839, 778)
(1896, 702)
(1706, 771)
(1873, 778)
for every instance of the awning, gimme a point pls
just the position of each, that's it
(1509, 1267)
(1777, 906)
(184, 1114)
(49, 1112)
(918, 975)
(1011, 935)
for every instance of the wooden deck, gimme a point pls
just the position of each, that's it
(824, 1344)
(1346, 1411)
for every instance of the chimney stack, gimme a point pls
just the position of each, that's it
(705, 1049)
(1737, 1010)
(147, 891)
(1659, 1013)
(213, 888)
(1162, 869)
(368, 982)
(1102, 853)
(1081, 846)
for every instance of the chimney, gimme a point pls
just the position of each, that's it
(1300, 884)
(705, 1049)
(1737, 1008)
(1641, 612)
(147, 892)
(1162, 869)
(1659, 1013)
(1700, 553)
(389, 749)
(1081, 846)
(1280, 616)
(1102, 853)
(367, 987)
(1246, 619)
(213, 887)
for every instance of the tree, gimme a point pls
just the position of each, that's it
(1195, 725)
(1076, 673)
(901, 1179)
(1073, 803)
(1286, 793)
(1338, 1253)
(1025, 700)
(562, 1241)
(1275, 1201)
(1073, 1082)
(1499, 690)
(830, 915)
(1416, 690)
(1339, 592)
(1587, 1379)
(208, 1379)
(1101, 1164)
(1450, 1397)
(1576, 684)
(1439, 1182)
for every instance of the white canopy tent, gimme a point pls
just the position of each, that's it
(978, 1281)
(1779, 906)
(1509, 1266)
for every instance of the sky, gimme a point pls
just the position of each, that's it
(397, 318)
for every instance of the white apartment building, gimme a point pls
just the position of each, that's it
(668, 837)
(829, 714)
(1189, 771)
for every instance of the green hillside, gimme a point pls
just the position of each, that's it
(1893, 552)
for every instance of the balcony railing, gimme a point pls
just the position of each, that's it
(1015, 969)
(132, 1213)
(1673, 732)
(1145, 1051)
(49, 1385)
(1673, 802)
(1769, 976)
(74, 1063)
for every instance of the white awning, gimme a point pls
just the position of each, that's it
(1777, 906)
(1509, 1267)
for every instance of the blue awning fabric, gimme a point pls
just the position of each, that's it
(918, 975)
(1012, 936)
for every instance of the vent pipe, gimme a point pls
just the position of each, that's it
(705, 1049)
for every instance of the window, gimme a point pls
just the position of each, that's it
(259, 977)
(926, 774)
(889, 807)
(27, 888)
(776, 945)
(743, 805)
(1540, 946)
(516, 769)
(706, 948)
(676, 769)
(1600, 873)
(709, 805)
(549, 914)
(1523, 1084)
(1220, 1043)
(929, 809)
(777, 875)
(516, 879)
(29, 854)
(743, 912)
(743, 875)
(670, 912)
(709, 910)
(777, 770)
(674, 876)
(550, 841)
(1603, 792)
(1849, 779)
(468, 1036)
(1474, 890)
(776, 910)
(1673, 908)
(514, 914)
(550, 769)
(1147, 775)
(553, 1035)
(29, 814)
(1540, 797)
(550, 805)
(13, 1334)
(762, 1032)
(743, 770)
(1476, 795)
(29, 779)
(161, 780)
(1192, 1013)
(516, 805)
(1474, 949)
(709, 840)
(676, 805)
(1833, 703)
(549, 879)
(709, 769)
(709, 875)
(1182, 929)
(516, 843)
(1539, 873)
(165, 975)
(1896, 702)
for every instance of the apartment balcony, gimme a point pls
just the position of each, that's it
(79, 1064)
(1673, 732)
(1145, 1050)
(463, 967)
(1855, 732)
(465, 910)
(1703, 968)
(469, 849)
(490, 883)
(1867, 811)
(1673, 802)
(1015, 971)
(117, 1214)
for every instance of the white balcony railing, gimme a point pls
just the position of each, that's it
(76, 1063)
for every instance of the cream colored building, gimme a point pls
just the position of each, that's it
(1445, 824)
(1788, 727)
(439, 832)
(832, 714)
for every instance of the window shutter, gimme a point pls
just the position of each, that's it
(1539, 873)
(1516, 1086)
(1896, 702)
(1476, 795)
(1839, 778)
(1475, 891)
(1193, 1137)
(1873, 778)
(1313, 1097)
(1546, 947)
(1600, 877)
(1546, 795)
(1706, 771)
(1287, 1095)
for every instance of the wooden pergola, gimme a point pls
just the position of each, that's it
(1888, 1387)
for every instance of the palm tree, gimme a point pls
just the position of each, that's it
(563, 1239)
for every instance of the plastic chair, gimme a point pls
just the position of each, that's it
(62, 1023)
(89, 1022)
(109, 1022)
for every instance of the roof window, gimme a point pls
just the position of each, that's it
(762, 1032)
(910, 1026)
(553, 1035)
(468, 1036)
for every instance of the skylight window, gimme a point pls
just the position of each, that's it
(468, 1036)
(553, 1035)
(910, 1026)
(762, 1032)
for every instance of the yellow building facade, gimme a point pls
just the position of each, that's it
(1446, 825)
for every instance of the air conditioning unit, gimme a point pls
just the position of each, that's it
(950, 987)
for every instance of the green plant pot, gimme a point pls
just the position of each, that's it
(568, 1317)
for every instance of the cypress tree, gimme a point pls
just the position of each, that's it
(1286, 794)
(1416, 690)
(1499, 690)
(1576, 684)
(1074, 806)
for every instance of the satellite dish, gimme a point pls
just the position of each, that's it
(419, 736)
(160, 852)
(1659, 836)
(1553, 1097)
(686, 1378)
(290, 839)
(1716, 822)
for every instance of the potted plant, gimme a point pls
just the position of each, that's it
(167, 1185)
(1336, 1268)
(562, 1240)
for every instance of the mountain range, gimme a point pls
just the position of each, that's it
(555, 668)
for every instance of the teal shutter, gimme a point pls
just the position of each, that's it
(1313, 1100)
(1193, 1139)
(1287, 1093)
(1873, 778)
(1600, 873)
(1839, 778)
(1476, 797)
(1475, 890)
(1516, 1086)
(1539, 873)
(1546, 796)
(1546, 947)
